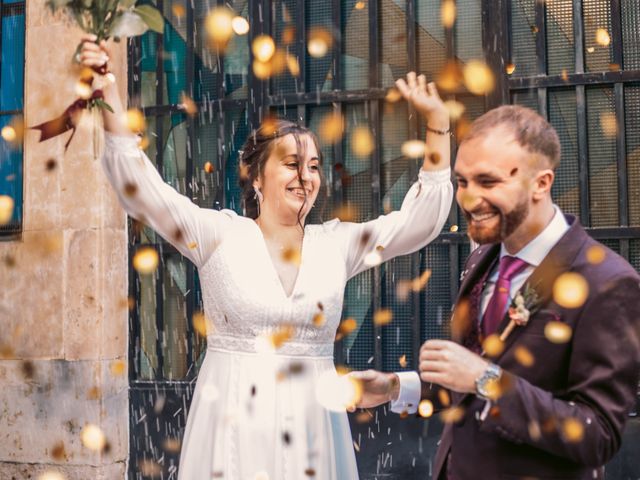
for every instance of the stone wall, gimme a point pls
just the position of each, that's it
(63, 284)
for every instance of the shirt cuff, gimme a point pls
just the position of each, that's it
(434, 177)
(409, 396)
(121, 143)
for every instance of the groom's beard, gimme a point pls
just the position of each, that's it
(507, 224)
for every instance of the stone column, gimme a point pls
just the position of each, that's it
(63, 284)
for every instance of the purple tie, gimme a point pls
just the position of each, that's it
(496, 308)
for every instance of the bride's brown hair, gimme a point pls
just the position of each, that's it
(256, 151)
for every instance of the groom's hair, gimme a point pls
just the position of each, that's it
(529, 128)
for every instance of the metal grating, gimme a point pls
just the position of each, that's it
(468, 30)
(634, 254)
(632, 125)
(527, 98)
(437, 297)
(393, 50)
(560, 38)
(236, 58)
(603, 170)
(523, 39)
(354, 61)
(284, 22)
(326, 202)
(596, 15)
(431, 42)
(631, 34)
(319, 77)
(562, 115)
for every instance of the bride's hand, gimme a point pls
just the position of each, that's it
(425, 99)
(92, 54)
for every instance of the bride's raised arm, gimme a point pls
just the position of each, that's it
(145, 196)
(425, 207)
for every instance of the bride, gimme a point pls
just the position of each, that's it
(272, 321)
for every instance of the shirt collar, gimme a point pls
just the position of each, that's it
(537, 249)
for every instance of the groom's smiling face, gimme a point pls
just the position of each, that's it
(494, 175)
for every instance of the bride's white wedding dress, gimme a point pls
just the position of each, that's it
(255, 413)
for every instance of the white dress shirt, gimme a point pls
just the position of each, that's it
(533, 253)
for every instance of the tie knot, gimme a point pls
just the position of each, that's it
(510, 267)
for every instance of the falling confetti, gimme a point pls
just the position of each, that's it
(572, 430)
(240, 25)
(9, 133)
(393, 95)
(319, 42)
(6, 209)
(596, 254)
(403, 361)
(281, 335)
(444, 397)
(452, 414)
(292, 255)
(188, 105)
(455, 109)
(478, 77)
(609, 124)
(448, 13)
(50, 165)
(362, 142)
(591, 49)
(200, 324)
(453, 228)
(373, 259)
(570, 290)
(359, 5)
(208, 167)
(93, 438)
(403, 289)
(149, 468)
(450, 77)
(318, 320)
(557, 332)
(145, 261)
(523, 356)
(425, 408)
(419, 283)
(336, 391)
(171, 445)
(414, 149)
(263, 48)
(134, 120)
(382, 317)
(347, 326)
(83, 90)
(219, 26)
(492, 345)
(293, 65)
(534, 430)
(510, 68)
(118, 368)
(331, 128)
(602, 37)
(178, 10)
(346, 213)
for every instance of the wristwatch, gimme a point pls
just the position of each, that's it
(487, 384)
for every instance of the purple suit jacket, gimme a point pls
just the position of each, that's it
(592, 378)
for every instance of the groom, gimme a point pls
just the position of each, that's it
(551, 398)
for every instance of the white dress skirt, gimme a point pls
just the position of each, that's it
(264, 405)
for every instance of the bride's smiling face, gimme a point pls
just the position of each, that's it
(291, 178)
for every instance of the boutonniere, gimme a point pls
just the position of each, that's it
(523, 306)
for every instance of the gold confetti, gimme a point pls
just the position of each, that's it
(346, 213)
(393, 95)
(557, 332)
(452, 414)
(331, 128)
(208, 167)
(9, 133)
(200, 324)
(188, 105)
(591, 49)
(572, 430)
(192, 245)
(145, 260)
(293, 65)
(455, 109)
(448, 13)
(58, 452)
(444, 397)
(171, 445)
(281, 335)
(288, 35)
(602, 37)
(240, 25)
(609, 124)
(413, 149)
(51, 475)
(453, 228)
(403, 289)
(149, 468)
(362, 142)
(118, 368)
(425, 408)
(263, 48)
(178, 10)
(93, 438)
(534, 430)
(83, 90)
(310, 472)
(564, 75)
(382, 316)
(219, 26)
(359, 5)
(523, 356)
(510, 68)
(596, 254)
(347, 326)
(478, 77)
(419, 283)
(403, 361)
(318, 320)
(134, 120)
(292, 255)
(6, 209)
(492, 345)
(570, 290)
(450, 77)
(319, 42)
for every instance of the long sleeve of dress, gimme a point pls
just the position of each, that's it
(423, 213)
(194, 231)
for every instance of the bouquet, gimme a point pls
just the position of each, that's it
(105, 19)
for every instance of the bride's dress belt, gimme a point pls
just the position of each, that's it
(261, 345)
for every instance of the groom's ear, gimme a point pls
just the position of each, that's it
(543, 183)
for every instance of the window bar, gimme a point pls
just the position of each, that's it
(223, 152)
(541, 55)
(336, 53)
(191, 174)
(581, 112)
(301, 34)
(257, 88)
(338, 198)
(135, 346)
(621, 147)
(159, 274)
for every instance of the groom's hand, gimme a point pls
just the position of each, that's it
(450, 365)
(377, 388)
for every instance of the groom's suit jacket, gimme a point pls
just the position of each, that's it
(533, 429)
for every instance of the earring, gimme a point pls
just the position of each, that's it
(258, 196)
